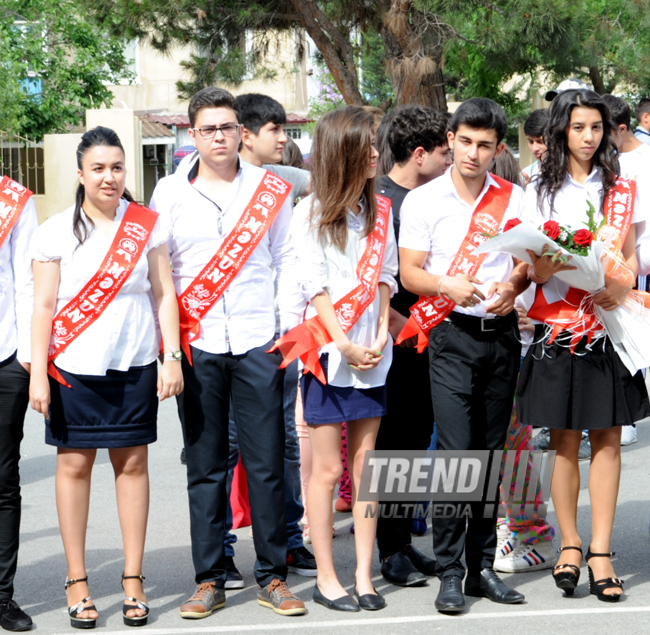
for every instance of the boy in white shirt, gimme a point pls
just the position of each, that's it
(642, 113)
(474, 345)
(216, 212)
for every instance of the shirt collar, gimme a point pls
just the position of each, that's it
(451, 188)
(593, 176)
(194, 169)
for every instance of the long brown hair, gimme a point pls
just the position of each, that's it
(339, 161)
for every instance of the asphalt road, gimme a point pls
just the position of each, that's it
(168, 567)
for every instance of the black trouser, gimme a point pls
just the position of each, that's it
(14, 397)
(473, 381)
(254, 383)
(407, 425)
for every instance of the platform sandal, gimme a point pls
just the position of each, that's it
(140, 620)
(567, 580)
(74, 611)
(597, 587)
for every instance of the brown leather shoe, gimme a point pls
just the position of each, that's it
(207, 598)
(277, 596)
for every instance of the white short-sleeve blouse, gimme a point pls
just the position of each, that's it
(124, 335)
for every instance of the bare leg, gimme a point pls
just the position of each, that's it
(73, 471)
(362, 435)
(326, 472)
(132, 491)
(305, 454)
(604, 478)
(565, 489)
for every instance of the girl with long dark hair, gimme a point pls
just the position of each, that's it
(587, 387)
(94, 265)
(333, 231)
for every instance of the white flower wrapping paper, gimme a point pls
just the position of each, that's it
(628, 326)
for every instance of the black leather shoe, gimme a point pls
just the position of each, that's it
(344, 603)
(489, 585)
(399, 570)
(422, 563)
(370, 601)
(13, 618)
(450, 596)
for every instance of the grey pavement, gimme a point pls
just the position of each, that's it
(168, 566)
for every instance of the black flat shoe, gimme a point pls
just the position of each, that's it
(422, 563)
(400, 571)
(370, 601)
(567, 580)
(344, 603)
(450, 596)
(13, 618)
(489, 585)
(139, 620)
(596, 587)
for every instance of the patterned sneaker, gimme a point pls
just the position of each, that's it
(628, 435)
(207, 598)
(277, 596)
(528, 558)
(506, 543)
(234, 579)
(542, 440)
(302, 562)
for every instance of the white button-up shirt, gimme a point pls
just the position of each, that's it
(243, 317)
(323, 266)
(17, 287)
(124, 335)
(435, 219)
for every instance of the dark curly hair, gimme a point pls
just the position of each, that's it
(555, 167)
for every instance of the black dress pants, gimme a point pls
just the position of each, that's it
(254, 383)
(473, 381)
(407, 425)
(14, 398)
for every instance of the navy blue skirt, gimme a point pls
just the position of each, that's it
(334, 404)
(116, 410)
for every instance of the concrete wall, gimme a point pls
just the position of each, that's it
(60, 161)
(128, 128)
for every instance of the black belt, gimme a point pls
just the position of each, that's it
(483, 326)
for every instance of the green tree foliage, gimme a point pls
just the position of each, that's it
(55, 63)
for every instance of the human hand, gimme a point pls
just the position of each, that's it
(549, 263)
(361, 357)
(396, 322)
(39, 394)
(506, 302)
(525, 323)
(613, 295)
(27, 366)
(170, 380)
(461, 290)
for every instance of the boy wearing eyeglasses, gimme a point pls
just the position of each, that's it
(229, 223)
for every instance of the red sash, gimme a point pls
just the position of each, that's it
(209, 285)
(428, 312)
(307, 338)
(86, 307)
(13, 198)
(575, 312)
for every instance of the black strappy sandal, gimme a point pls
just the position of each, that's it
(567, 580)
(74, 611)
(140, 620)
(596, 587)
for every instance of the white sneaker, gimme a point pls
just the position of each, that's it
(628, 435)
(506, 542)
(528, 558)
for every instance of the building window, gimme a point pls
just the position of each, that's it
(22, 160)
(293, 133)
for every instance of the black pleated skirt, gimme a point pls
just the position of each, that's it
(590, 389)
(116, 410)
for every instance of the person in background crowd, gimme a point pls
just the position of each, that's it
(474, 343)
(16, 304)
(337, 232)
(591, 389)
(228, 324)
(642, 114)
(291, 155)
(534, 129)
(416, 139)
(100, 353)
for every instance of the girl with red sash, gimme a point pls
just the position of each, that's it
(574, 383)
(333, 232)
(93, 332)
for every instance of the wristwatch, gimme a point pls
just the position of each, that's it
(173, 355)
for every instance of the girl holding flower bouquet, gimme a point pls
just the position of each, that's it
(576, 381)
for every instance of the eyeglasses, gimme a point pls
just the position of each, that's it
(228, 130)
